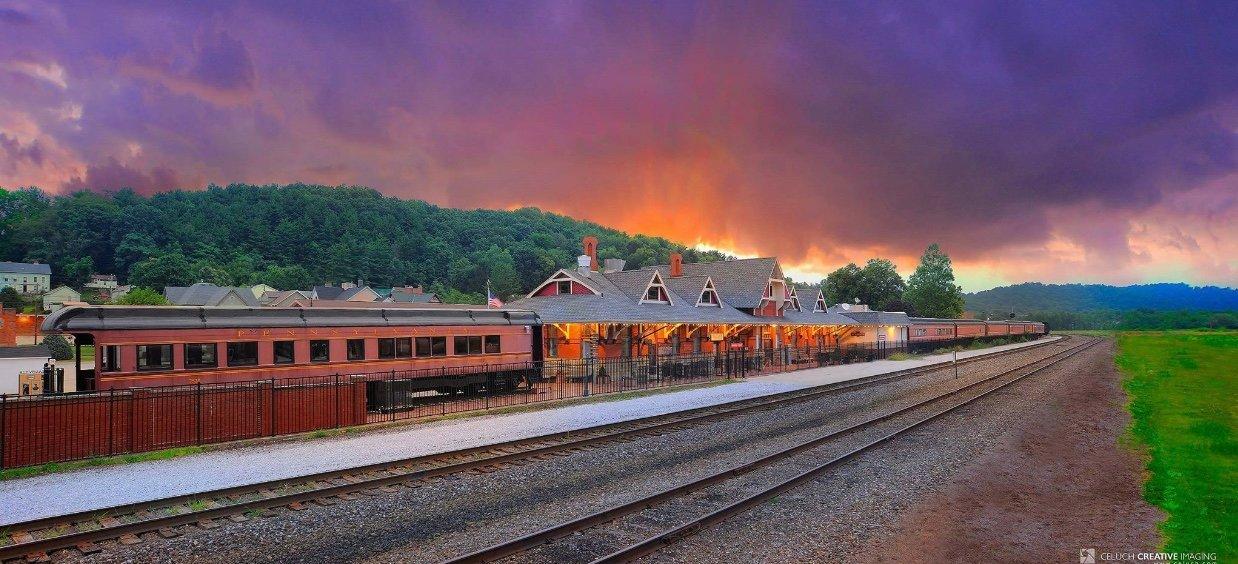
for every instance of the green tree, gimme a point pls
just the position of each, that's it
(77, 272)
(9, 298)
(843, 285)
(881, 287)
(172, 269)
(58, 347)
(931, 291)
(142, 296)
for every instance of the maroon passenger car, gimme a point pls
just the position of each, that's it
(158, 346)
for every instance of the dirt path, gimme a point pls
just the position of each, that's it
(1043, 493)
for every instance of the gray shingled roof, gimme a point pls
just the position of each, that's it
(25, 351)
(203, 294)
(878, 317)
(406, 298)
(809, 317)
(941, 320)
(619, 302)
(740, 282)
(25, 268)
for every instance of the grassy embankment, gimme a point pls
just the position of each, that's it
(1183, 396)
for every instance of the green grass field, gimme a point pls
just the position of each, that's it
(1183, 389)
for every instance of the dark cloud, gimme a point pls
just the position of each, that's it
(111, 176)
(823, 131)
(14, 152)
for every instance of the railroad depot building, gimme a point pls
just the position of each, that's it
(603, 311)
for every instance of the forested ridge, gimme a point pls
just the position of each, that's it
(1089, 297)
(299, 235)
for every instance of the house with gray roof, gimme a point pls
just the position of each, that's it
(206, 294)
(26, 278)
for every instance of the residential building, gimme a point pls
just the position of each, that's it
(260, 290)
(61, 296)
(102, 282)
(345, 293)
(287, 298)
(412, 295)
(26, 278)
(204, 294)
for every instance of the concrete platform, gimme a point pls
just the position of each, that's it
(94, 488)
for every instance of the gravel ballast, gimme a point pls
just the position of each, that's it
(466, 512)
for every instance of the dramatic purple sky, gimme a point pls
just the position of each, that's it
(1073, 141)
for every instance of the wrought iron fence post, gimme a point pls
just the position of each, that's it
(197, 409)
(111, 410)
(4, 430)
(337, 401)
(273, 402)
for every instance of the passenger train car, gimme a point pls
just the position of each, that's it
(141, 346)
(927, 330)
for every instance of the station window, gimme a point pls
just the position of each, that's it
(356, 349)
(201, 355)
(111, 358)
(563, 286)
(404, 347)
(320, 351)
(285, 352)
(386, 348)
(154, 357)
(493, 344)
(431, 346)
(243, 354)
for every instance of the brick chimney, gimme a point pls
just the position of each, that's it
(590, 244)
(676, 265)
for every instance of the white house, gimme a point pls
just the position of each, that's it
(26, 278)
(57, 298)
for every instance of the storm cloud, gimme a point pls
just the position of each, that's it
(1039, 141)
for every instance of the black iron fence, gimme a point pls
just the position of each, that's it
(58, 427)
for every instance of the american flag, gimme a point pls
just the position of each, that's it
(491, 300)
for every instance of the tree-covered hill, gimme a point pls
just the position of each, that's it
(1034, 296)
(299, 235)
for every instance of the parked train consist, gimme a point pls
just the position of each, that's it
(141, 346)
(926, 331)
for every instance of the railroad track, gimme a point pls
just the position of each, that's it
(651, 544)
(35, 539)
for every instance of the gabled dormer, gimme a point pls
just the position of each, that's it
(561, 283)
(820, 306)
(655, 291)
(794, 298)
(709, 295)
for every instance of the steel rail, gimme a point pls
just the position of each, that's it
(656, 542)
(361, 478)
(526, 542)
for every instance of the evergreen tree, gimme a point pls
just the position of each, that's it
(931, 291)
(881, 287)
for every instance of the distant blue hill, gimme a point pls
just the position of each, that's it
(1034, 296)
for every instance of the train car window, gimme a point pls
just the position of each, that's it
(285, 352)
(201, 355)
(154, 357)
(111, 358)
(386, 348)
(243, 354)
(404, 347)
(468, 345)
(423, 346)
(492, 344)
(438, 346)
(356, 349)
(320, 351)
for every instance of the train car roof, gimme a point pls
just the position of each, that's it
(97, 318)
